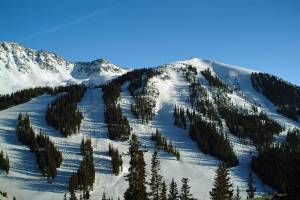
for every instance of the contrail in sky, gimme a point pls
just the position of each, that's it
(73, 22)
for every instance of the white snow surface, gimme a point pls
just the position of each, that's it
(22, 68)
(25, 181)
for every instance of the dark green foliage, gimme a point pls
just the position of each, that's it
(256, 126)
(251, 189)
(179, 117)
(25, 133)
(163, 144)
(22, 96)
(4, 194)
(84, 178)
(200, 102)
(116, 159)
(284, 95)
(4, 162)
(199, 96)
(163, 193)
(214, 80)
(237, 195)
(117, 124)
(62, 113)
(211, 142)
(185, 190)
(222, 188)
(279, 165)
(137, 175)
(190, 74)
(173, 191)
(73, 196)
(144, 105)
(48, 157)
(156, 178)
(19, 97)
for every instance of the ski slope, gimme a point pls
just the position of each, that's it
(25, 181)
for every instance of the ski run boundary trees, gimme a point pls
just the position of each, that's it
(48, 157)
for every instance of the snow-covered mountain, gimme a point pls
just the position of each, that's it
(22, 67)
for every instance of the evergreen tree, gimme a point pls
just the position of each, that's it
(237, 195)
(163, 194)
(63, 114)
(137, 175)
(222, 188)
(116, 159)
(73, 195)
(163, 143)
(185, 190)
(156, 178)
(251, 189)
(173, 191)
(4, 162)
(104, 196)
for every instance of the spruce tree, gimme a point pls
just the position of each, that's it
(185, 190)
(173, 191)
(73, 196)
(237, 195)
(163, 193)
(104, 196)
(222, 189)
(137, 175)
(251, 189)
(156, 178)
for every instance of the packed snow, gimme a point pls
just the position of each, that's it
(25, 180)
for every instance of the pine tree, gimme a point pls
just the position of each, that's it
(185, 190)
(222, 189)
(251, 189)
(73, 195)
(173, 191)
(137, 175)
(237, 195)
(104, 196)
(163, 193)
(156, 178)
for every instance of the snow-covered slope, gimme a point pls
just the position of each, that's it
(22, 67)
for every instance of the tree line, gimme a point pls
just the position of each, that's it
(284, 95)
(254, 125)
(25, 95)
(163, 143)
(144, 103)
(158, 189)
(212, 141)
(84, 178)
(215, 81)
(198, 95)
(223, 189)
(117, 124)
(62, 113)
(116, 159)
(4, 162)
(278, 165)
(48, 157)
(179, 115)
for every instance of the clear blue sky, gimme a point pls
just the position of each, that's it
(258, 34)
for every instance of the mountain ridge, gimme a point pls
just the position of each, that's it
(22, 68)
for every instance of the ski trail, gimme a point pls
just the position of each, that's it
(92, 107)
